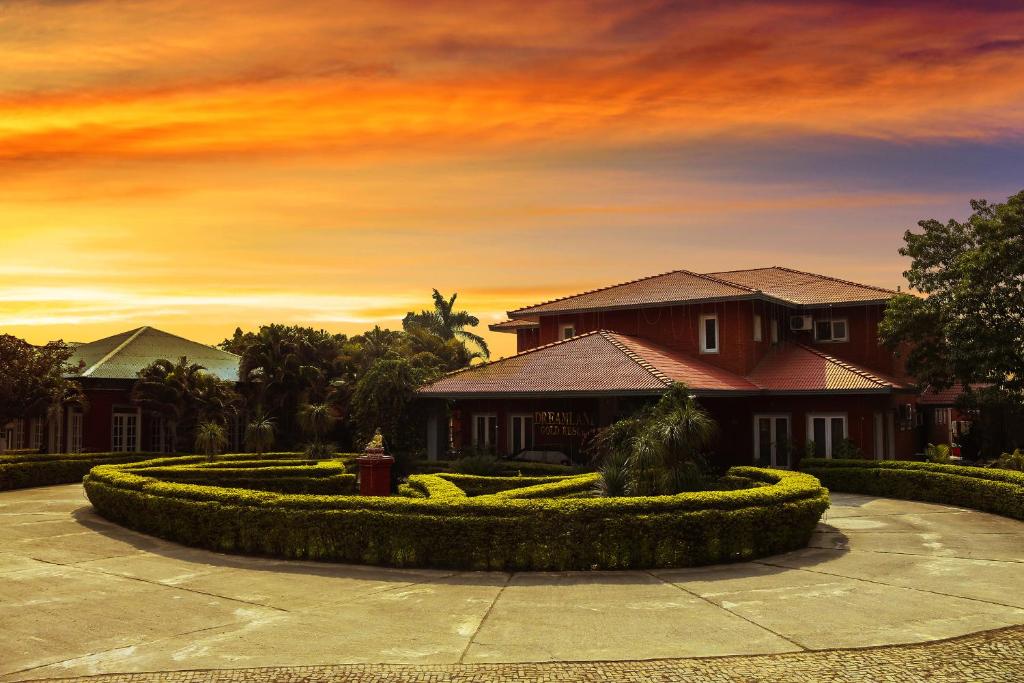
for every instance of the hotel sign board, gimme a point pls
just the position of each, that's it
(563, 423)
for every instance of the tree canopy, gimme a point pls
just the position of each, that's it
(447, 323)
(34, 377)
(969, 325)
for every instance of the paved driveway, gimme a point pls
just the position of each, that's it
(79, 596)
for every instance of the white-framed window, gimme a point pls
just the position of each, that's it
(709, 333)
(831, 330)
(826, 431)
(772, 434)
(757, 328)
(485, 430)
(36, 434)
(124, 432)
(520, 433)
(74, 431)
(775, 331)
(566, 331)
(14, 434)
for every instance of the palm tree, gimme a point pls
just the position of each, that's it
(658, 450)
(211, 440)
(259, 434)
(446, 322)
(316, 419)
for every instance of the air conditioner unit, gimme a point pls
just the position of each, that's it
(800, 322)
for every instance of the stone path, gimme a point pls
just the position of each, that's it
(993, 656)
(80, 596)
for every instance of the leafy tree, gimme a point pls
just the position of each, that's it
(259, 434)
(969, 326)
(185, 395)
(385, 398)
(211, 439)
(658, 450)
(33, 380)
(447, 323)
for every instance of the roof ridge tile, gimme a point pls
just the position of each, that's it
(518, 355)
(848, 366)
(612, 337)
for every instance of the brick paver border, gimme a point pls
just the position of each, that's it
(990, 656)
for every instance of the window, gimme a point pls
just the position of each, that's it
(757, 328)
(485, 431)
(826, 432)
(775, 332)
(567, 331)
(74, 432)
(520, 433)
(709, 334)
(830, 330)
(35, 436)
(942, 416)
(124, 432)
(771, 440)
(14, 433)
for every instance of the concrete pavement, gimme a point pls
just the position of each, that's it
(80, 596)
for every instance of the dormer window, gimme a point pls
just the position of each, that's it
(709, 334)
(831, 330)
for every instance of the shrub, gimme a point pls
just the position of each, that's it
(938, 454)
(981, 488)
(509, 525)
(1011, 461)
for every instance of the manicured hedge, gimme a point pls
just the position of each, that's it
(18, 471)
(981, 488)
(327, 477)
(443, 527)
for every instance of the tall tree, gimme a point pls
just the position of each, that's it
(34, 379)
(969, 325)
(185, 395)
(447, 323)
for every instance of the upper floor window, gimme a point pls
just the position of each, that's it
(709, 334)
(757, 327)
(567, 331)
(831, 330)
(775, 331)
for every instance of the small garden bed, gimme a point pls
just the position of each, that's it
(981, 488)
(459, 521)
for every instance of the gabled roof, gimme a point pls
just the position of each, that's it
(609, 363)
(514, 325)
(775, 283)
(121, 356)
(795, 367)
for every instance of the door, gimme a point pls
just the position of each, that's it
(520, 433)
(124, 432)
(74, 432)
(827, 432)
(771, 440)
(485, 431)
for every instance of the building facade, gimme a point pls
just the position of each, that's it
(787, 362)
(109, 421)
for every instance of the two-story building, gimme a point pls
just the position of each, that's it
(785, 361)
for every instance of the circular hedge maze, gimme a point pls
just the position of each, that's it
(308, 510)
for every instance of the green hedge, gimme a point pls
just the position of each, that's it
(19, 471)
(981, 488)
(443, 527)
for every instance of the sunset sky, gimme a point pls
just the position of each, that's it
(198, 166)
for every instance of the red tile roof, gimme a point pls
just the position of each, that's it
(786, 285)
(513, 325)
(676, 286)
(946, 397)
(610, 363)
(798, 287)
(794, 367)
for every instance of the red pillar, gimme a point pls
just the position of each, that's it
(375, 473)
